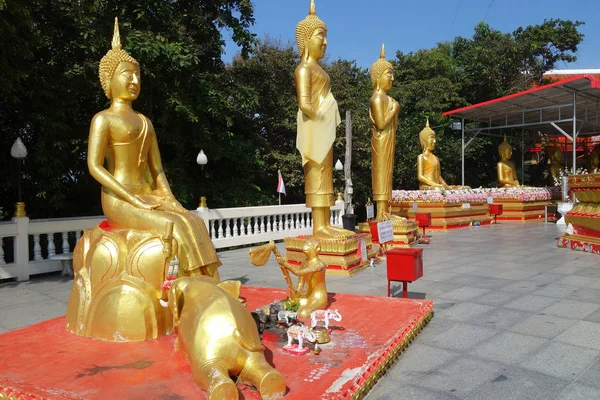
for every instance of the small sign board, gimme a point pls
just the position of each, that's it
(490, 200)
(466, 205)
(415, 207)
(362, 248)
(385, 231)
(370, 211)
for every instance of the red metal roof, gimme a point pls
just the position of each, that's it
(532, 106)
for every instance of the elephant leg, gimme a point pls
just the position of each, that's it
(289, 340)
(326, 323)
(262, 376)
(213, 377)
(300, 342)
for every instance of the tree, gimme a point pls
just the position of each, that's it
(541, 47)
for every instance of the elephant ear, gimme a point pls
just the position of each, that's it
(232, 288)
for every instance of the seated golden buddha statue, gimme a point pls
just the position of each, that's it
(429, 171)
(120, 267)
(318, 117)
(507, 173)
(383, 112)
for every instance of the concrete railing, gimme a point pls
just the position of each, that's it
(36, 242)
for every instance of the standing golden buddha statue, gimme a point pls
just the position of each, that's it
(383, 112)
(507, 173)
(121, 265)
(318, 118)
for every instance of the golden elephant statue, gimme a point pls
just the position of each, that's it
(219, 337)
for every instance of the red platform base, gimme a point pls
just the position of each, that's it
(578, 244)
(43, 361)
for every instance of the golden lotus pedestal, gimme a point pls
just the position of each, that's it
(345, 257)
(406, 232)
(583, 221)
(521, 210)
(446, 216)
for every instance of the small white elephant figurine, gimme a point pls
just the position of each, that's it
(287, 316)
(325, 316)
(299, 333)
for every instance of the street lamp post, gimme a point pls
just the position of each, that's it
(202, 160)
(18, 151)
(339, 167)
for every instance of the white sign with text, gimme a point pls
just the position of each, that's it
(385, 231)
(370, 211)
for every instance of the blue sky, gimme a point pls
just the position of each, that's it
(356, 29)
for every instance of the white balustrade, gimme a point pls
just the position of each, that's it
(227, 227)
(262, 223)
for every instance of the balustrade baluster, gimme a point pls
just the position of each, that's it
(65, 243)
(37, 249)
(236, 222)
(259, 223)
(220, 231)
(295, 222)
(226, 228)
(253, 231)
(289, 221)
(51, 246)
(264, 224)
(278, 217)
(2, 262)
(270, 223)
(243, 227)
(309, 219)
(211, 228)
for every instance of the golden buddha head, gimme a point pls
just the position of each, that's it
(427, 137)
(505, 150)
(382, 72)
(311, 34)
(126, 82)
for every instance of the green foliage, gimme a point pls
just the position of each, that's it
(290, 305)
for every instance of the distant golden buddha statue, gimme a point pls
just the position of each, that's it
(593, 159)
(507, 173)
(318, 117)
(383, 112)
(429, 171)
(121, 265)
(556, 161)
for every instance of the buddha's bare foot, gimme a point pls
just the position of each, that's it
(330, 232)
(392, 217)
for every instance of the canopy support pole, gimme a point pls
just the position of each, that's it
(462, 128)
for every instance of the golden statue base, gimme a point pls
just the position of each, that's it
(446, 216)
(342, 256)
(583, 221)
(406, 232)
(521, 210)
(117, 286)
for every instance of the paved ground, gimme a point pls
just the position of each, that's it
(515, 317)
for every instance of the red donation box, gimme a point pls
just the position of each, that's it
(424, 219)
(495, 210)
(404, 265)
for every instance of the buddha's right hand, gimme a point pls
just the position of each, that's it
(139, 203)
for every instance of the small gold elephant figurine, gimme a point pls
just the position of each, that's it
(219, 337)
